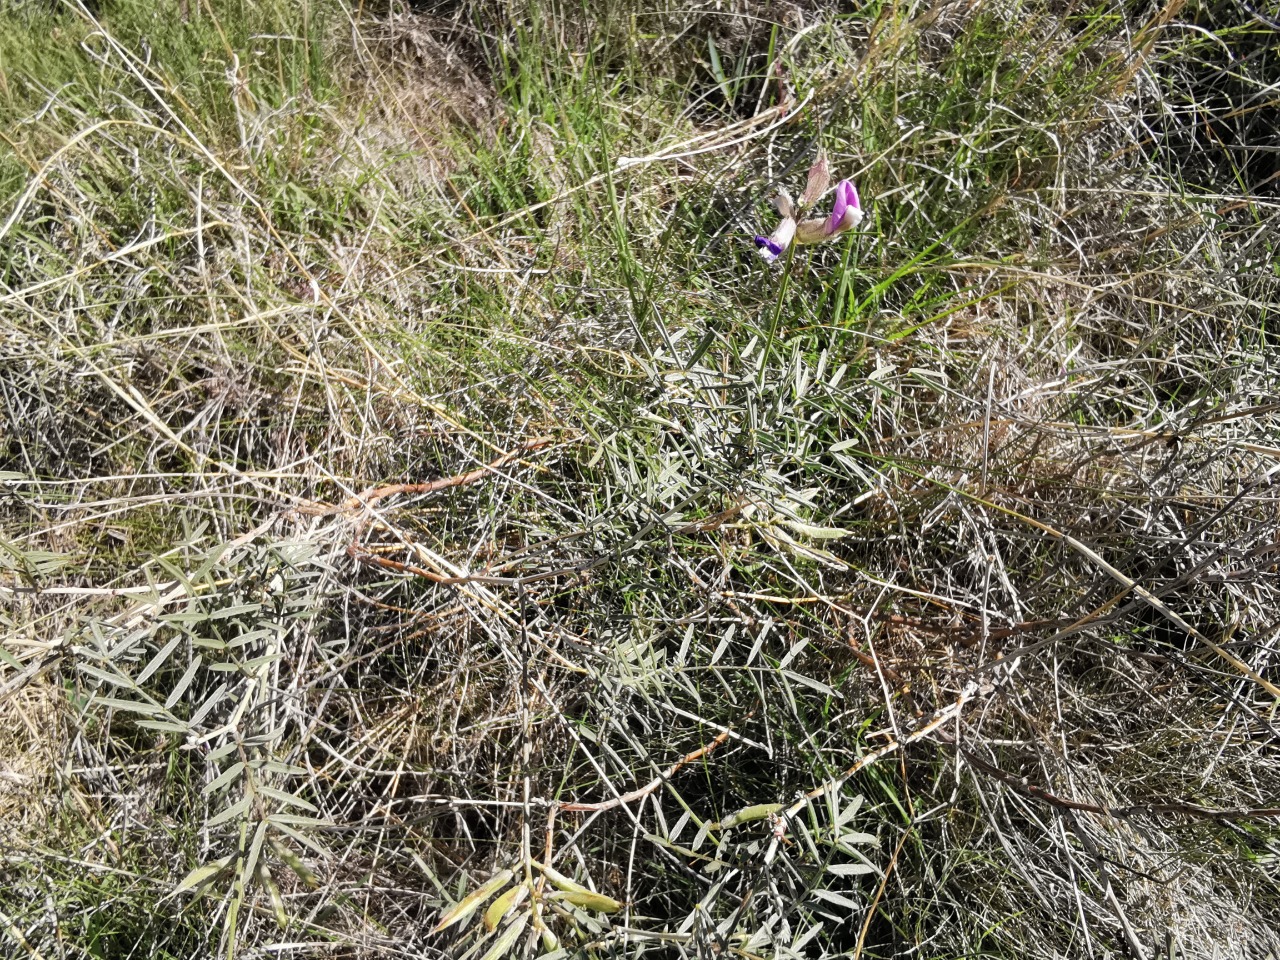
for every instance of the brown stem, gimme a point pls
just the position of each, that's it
(1175, 808)
(371, 495)
(657, 781)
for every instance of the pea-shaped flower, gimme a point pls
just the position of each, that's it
(846, 214)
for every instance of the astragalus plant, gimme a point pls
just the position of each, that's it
(430, 528)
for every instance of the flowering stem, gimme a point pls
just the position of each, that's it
(777, 314)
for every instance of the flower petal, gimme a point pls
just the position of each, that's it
(768, 249)
(819, 180)
(812, 231)
(846, 201)
(772, 247)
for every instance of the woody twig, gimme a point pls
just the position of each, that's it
(372, 495)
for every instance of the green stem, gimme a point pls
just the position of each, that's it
(777, 315)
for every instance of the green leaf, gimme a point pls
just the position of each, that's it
(288, 799)
(308, 842)
(860, 838)
(213, 700)
(297, 820)
(280, 767)
(234, 610)
(106, 676)
(203, 875)
(158, 660)
(810, 682)
(589, 900)
(237, 809)
(224, 778)
(817, 533)
(502, 946)
(130, 706)
(468, 905)
(254, 854)
(840, 900)
(711, 862)
(573, 892)
(850, 811)
(273, 891)
(760, 811)
(498, 909)
(717, 71)
(164, 726)
(251, 665)
(850, 869)
(183, 682)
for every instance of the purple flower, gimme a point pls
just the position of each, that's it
(845, 214)
(772, 247)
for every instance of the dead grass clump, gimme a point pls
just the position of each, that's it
(413, 87)
(30, 758)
